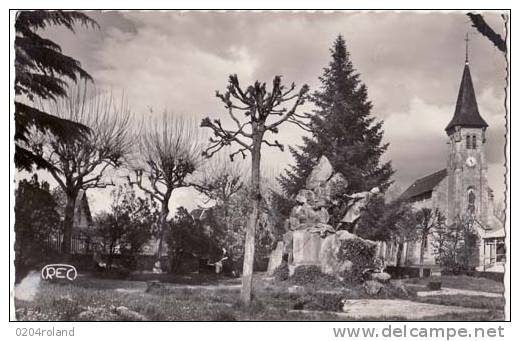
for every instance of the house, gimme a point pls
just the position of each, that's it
(83, 240)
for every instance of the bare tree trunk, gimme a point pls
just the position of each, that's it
(68, 223)
(249, 249)
(421, 257)
(400, 246)
(162, 227)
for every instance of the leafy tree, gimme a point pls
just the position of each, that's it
(36, 218)
(169, 151)
(343, 130)
(264, 112)
(80, 164)
(129, 224)
(388, 221)
(188, 234)
(279, 209)
(41, 72)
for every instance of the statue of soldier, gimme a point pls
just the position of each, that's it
(357, 202)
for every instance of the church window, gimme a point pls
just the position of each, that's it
(471, 201)
(474, 144)
(468, 142)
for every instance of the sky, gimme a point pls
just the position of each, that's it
(411, 63)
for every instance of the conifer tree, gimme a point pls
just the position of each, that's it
(42, 72)
(343, 130)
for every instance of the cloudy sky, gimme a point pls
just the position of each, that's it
(411, 63)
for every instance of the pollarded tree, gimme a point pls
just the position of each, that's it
(169, 151)
(41, 73)
(80, 164)
(261, 112)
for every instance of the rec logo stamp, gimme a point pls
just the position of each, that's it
(59, 271)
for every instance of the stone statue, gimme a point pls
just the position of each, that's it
(358, 201)
(310, 238)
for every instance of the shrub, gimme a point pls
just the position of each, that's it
(306, 274)
(326, 301)
(281, 273)
(361, 254)
(320, 301)
(311, 276)
(396, 289)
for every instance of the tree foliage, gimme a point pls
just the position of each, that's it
(387, 221)
(343, 129)
(42, 71)
(36, 218)
(129, 224)
(187, 234)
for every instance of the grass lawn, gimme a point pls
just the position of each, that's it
(462, 282)
(273, 301)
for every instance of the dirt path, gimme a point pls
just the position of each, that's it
(380, 309)
(451, 291)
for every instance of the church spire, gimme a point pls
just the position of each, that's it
(466, 110)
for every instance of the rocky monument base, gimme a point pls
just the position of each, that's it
(310, 240)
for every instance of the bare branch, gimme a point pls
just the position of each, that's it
(169, 150)
(240, 151)
(105, 146)
(275, 144)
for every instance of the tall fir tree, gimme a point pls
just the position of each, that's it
(343, 130)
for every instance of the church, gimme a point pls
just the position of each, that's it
(460, 189)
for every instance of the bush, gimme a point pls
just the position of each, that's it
(311, 276)
(325, 302)
(396, 289)
(306, 274)
(361, 254)
(281, 273)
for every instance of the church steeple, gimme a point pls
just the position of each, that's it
(466, 110)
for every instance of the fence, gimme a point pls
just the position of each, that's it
(79, 244)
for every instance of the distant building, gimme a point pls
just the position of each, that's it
(461, 189)
(82, 229)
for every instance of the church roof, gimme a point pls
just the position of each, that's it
(466, 109)
(424, 184)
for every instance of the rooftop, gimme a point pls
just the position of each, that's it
(466, 110)
(424, 184)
